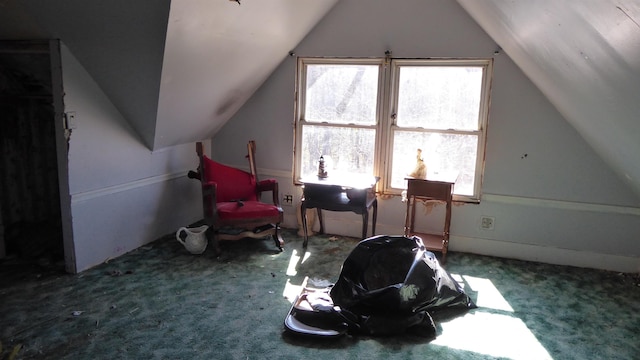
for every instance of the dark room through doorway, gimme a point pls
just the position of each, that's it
(31, 232)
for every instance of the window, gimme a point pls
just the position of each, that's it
(369, 116)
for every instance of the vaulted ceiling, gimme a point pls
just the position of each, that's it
(178, 70)
(584, 55)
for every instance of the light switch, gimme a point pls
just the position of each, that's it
(71, 120)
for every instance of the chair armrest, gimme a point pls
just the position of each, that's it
(267, 185)
(270, 185)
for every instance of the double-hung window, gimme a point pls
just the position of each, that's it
(370, 116)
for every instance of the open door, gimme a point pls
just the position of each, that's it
(35, 221)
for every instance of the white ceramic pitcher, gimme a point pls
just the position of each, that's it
(196, 240)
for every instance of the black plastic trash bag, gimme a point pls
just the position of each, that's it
(391, 284)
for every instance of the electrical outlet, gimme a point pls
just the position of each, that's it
(287, 200)
(487, 222)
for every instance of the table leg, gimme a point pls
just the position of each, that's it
(321, 221)
(365, 225)
(375, 217)
(303, 216)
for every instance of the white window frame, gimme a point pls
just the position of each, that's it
(387, 98)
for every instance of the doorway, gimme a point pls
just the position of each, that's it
(31, 210)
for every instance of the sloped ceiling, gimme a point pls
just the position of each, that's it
(584, 55)
(217, 53)
(178, 70)
(119, 42)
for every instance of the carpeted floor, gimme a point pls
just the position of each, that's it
(160, 302)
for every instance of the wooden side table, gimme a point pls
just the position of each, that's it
(352, 193)
(441, 190)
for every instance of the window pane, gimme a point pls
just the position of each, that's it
(437, 97)
(346, 150)
(442, 153)
(341, 94)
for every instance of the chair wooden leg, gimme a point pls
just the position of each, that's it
(278, 238)
(215, 242)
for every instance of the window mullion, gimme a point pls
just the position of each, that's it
(389, 89)
(384, 126)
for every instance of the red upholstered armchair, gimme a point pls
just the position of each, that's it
(231, 200)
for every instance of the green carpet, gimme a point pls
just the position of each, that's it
(160, 302)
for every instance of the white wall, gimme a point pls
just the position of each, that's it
(590, 71)
(122, 194)
(559, 204)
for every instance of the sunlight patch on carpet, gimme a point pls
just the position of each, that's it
(492, 334)
(294, 261)
(488, 295)
(487, 332)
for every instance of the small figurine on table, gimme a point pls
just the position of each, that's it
(322, 173)
(420, 171)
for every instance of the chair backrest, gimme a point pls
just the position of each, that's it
(232, 183)
(251, 155)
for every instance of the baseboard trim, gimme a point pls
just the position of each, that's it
(505, 249)
(92, 194)
(545, 254)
